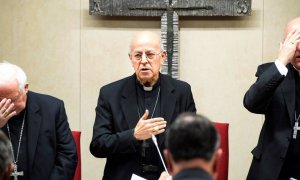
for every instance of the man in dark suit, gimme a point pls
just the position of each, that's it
(6, 157)
(131, 110)
(276, 94)
(192, 148)
(36, 124)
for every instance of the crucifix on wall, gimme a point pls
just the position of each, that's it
(169, 11)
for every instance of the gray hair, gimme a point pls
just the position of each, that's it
(162, 47)
(6, 156)
(161, 43)
(10, 73)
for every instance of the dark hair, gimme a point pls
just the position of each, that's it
(192, 136)
(5, 153)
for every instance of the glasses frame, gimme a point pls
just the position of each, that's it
(147, 58)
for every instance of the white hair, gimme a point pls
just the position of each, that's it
(160, 41)
(11, 73)
(162, 48)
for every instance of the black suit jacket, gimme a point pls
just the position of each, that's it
(192, 174)
(117, 116)
(51, 147)
(274, 96)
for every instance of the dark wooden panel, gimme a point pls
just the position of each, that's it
(158, 7)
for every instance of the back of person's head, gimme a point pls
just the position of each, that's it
(10, 72)
(6, 157)
(192, 136)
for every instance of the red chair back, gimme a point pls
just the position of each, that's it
(223, 164)
(76, 136)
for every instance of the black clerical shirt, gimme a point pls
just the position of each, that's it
(15, 125)
(291, 166)
(148, 100)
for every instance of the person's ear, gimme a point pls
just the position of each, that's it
(130, 58)
(216, 161)
(169, 161)
(26, 88)
(163, 57)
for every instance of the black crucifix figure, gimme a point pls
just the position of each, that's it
(169, 11)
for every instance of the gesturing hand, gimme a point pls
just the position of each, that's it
(6, 112)
(288, 47)
(146, 127)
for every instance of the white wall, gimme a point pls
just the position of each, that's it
(69, 54)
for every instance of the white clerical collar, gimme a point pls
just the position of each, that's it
(148, 88)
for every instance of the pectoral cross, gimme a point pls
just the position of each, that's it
(15, 174)
(296, 128)
(145, 145)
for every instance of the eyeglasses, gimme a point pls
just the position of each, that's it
(138, 56)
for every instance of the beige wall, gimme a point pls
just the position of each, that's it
(69, 54)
